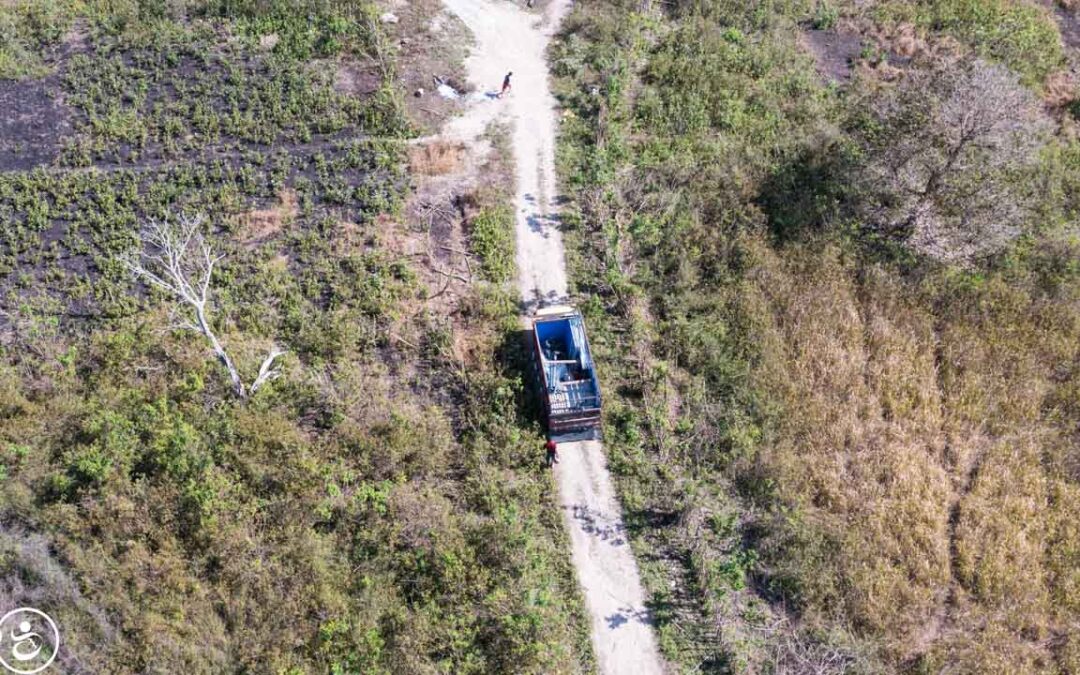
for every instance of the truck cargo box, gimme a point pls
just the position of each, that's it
(566, 373)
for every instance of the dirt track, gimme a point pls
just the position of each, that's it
(510, 39)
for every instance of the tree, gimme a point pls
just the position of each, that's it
(946, 157)
(175, 257)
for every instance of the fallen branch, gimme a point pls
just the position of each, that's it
(451, 275)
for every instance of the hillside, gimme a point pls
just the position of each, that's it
(829, 254)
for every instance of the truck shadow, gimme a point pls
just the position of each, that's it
(575, 436)
(514, 353)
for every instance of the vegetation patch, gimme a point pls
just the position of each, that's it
(813, 423)
(1022, 35)
(370, 499)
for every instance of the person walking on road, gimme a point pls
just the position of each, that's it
(506, 84)
(552, 453)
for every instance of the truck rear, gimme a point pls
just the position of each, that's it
(566, 373)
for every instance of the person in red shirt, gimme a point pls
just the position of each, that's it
(552, 453)
(506, 85)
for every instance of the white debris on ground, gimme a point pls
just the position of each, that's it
(389, 17)
(448, 92)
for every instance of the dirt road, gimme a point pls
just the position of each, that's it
(510, 39)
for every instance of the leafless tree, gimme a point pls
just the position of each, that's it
(946, 158)
(174, 256)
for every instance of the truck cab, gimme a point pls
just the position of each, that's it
(566, 372)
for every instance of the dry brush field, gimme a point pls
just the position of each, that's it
(830, 255)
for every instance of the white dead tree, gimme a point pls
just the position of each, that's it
(175, 257)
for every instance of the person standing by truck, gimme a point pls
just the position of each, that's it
(552, 453)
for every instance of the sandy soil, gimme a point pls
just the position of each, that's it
(622, 635)
(510, 39)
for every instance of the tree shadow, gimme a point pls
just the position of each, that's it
(624, 615)
(804, 196)
(539, 300)
(599, 526)
(639, 521)
(615, 620)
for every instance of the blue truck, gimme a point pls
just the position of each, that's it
(565, 370)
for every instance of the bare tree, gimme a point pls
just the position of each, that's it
(946, 159)
(175, 257)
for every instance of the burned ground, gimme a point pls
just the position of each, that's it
(381, 495)
(200, 125)
(33, 123)
(834, 52)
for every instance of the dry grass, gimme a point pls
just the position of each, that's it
(861, 444)
(1060, 89)
(926, 454)
(437, 158)
(262, 224)
(905, 42)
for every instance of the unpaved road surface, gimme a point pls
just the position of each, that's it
(510, 39)
(622, 633)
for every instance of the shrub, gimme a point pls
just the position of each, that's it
(858, 407)
(491, 237)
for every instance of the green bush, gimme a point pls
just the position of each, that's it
(825, 16)
(491, 237)
(1021, 35)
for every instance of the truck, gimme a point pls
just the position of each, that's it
(565, 371)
